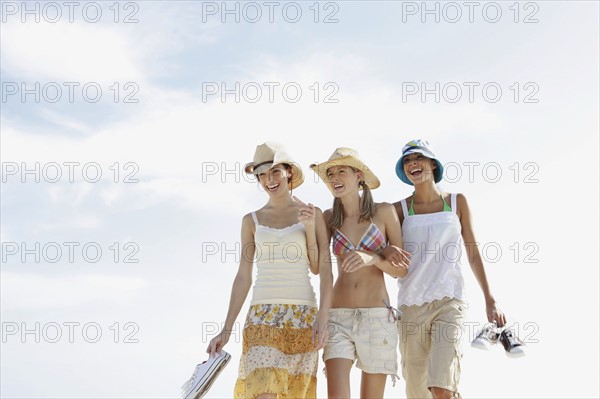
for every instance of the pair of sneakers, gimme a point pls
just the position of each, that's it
(491, 334)
(204, 376)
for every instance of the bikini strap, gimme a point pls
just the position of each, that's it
(447, 207)
(411, 210)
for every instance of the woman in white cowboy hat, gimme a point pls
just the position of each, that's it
(283, 329)
(362, 325)
(431, 296)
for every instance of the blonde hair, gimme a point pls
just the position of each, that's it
(366, 206)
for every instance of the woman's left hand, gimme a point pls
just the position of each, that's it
(306, 213)
(352, 262)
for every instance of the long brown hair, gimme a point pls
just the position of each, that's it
(366, 206)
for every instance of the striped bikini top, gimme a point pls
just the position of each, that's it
(372, 240)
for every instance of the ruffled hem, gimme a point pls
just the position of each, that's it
(261, 357)
(276, 381)
(435, 298)
(418, 295)
(277, 352)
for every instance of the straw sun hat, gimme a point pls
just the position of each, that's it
(270, 154)
(343, 156)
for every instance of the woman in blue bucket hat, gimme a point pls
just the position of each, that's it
(431, 296)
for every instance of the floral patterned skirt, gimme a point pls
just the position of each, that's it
(277, 355)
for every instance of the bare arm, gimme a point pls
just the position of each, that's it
(493, 313)
(397, 262)
(307, 215)
(354, 260)
(241, 286)
(326, 281)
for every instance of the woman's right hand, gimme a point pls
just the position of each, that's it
(306, 213)
(218, 342)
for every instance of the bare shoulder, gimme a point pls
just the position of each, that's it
(248, 228)
(248, 221)
(319, 216)
(461, 201)
(462, 206)
(327, 214)
(383, 205)
(384, 208)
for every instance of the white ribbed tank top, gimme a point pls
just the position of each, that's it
(282, 266)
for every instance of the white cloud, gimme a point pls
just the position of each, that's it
(26, 291)
(66, 123)
(74, 193)
(75, 222)
(68, 53)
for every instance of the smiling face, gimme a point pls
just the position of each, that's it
(275, 179)
(419, 168)
(343, 179)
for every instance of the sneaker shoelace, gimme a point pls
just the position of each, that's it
(490, 333)
(494, 334)
(187, 385)
(512, 339)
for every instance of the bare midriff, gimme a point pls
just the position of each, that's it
(364, 288)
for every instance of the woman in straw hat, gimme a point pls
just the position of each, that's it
(431, 296)
(283, 329)
(362, 325)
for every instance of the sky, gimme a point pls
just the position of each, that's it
(125, 126)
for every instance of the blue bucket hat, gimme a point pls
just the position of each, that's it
(418, 147)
